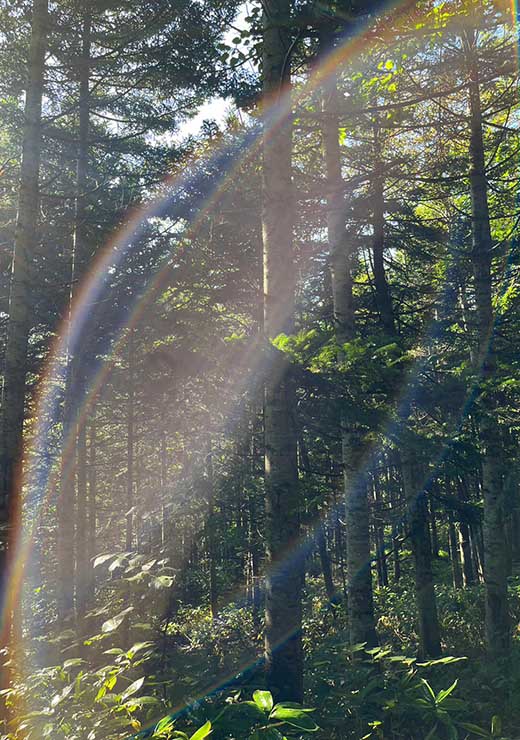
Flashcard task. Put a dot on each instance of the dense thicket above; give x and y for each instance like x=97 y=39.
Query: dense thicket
x=259 y=428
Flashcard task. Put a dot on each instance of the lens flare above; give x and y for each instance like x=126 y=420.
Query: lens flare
x=40 y=481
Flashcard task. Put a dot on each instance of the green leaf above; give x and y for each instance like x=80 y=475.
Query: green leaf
x=132 y=689
x=72 y=662
x=357 y=647
x=496 y=725
x=295 y=717
x=475 y=729
x=103 y=559
x=428 y=690
x=117 y=563
x=112 y=624
x=140 y=701
x=202 y=732
x=448 y=659
x=446 y=692
x=137 y=648
x=162 y=582
x=263 y=699
x=164 y=725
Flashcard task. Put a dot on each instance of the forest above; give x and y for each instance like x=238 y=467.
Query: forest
x=259 y=417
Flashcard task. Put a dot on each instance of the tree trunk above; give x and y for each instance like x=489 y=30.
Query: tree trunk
x=498 y=628
x=433 y=528
x=20 y=303
x=210 y=532
x=80 y=257
x=465 y=549
x=166 y=524
x=325 y=564
x=454 y=554
x=253 y=523
x=81 y=525
x=359 y=558
x=283 y=610
x=359 y=574
x=417 y=518
x=477 y=548
x=466 y=555
x=92 y=504
x=515 y=528
x=395 y=552
x=254 y=557
x=130 y=432
x=66 y=507
x=382 y=568
x=382 y=289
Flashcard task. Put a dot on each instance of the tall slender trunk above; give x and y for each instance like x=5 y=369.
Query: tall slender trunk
x=454 y=553
x=20 y=303
x=382 y=289
x=284 y=581
x=80 y=254
x=416 y=501
x=396 y=521
x=81 y=523
x=395 y=553
x=163 y=484
x=417 y=520
x=325 y=564
x=515 y=521
x=92 y=504
x=382 y=569
x=18 y=329
x=433 y=528
x=498 y=629
x=254 y=557
x=129 y=529
x=359 y=574
x=415 y=497
x=210 y=532
x=466 y=556
x=477 y=548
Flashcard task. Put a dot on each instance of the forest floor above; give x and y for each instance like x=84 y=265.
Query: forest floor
x=390 y=693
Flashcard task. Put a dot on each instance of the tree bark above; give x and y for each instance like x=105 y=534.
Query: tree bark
x=454 y=554
x=417 y=519
x=382 y=568
x=382 y=289
x=466 y=556
x=395 y=553
x=20 y=303
x=433 y=528
x=498 y=628
x=82 y=564
x=325 y=564
x=92 y=504
x=129 y=529
x=210 y=532
x=283 y=610
x=80 y=256
x=359 y=573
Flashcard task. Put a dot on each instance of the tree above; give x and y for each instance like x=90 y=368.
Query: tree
x=498 y=629
x=20 y=302
x=284 y=579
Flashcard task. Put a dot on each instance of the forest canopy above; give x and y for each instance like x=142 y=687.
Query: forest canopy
x=259 y=417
